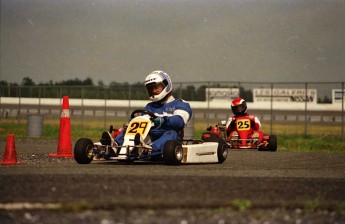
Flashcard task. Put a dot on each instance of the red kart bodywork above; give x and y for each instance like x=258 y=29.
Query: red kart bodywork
x=243 y=136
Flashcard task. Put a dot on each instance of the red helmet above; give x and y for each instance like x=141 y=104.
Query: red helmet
x=239 y=107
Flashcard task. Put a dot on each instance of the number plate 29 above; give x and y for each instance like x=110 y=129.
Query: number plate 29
x=140 y=126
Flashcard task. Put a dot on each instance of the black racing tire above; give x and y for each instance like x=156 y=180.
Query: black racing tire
x=173 y=153
x=272 y=143
x=222 y=151
x=223 y=147
x=83 y=151
x=262 y=149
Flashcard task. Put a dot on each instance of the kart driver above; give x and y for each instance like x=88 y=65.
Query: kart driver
x=172 y=114
x=239 y=109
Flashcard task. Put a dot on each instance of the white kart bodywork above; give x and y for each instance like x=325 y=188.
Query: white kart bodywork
x=200 y=153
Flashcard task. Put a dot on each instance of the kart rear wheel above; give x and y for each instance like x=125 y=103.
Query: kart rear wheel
x=173 y=153
x=83 y=151
x=222 y=150
x=272 y=143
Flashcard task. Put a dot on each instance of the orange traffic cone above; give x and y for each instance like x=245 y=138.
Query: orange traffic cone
x=65 y=142
x=10 y=155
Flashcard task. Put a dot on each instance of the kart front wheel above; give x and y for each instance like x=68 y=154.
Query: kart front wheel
x=173 y=153
x=83 y=151
x=272 y=143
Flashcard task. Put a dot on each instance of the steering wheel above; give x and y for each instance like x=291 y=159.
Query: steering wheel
x=143 y=111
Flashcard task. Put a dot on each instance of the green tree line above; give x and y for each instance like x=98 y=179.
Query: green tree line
x=77 y=88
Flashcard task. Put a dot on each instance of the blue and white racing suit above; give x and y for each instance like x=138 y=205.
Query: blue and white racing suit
x=175 y=112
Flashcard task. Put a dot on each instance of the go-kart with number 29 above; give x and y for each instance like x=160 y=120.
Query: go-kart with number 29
x=136 y=146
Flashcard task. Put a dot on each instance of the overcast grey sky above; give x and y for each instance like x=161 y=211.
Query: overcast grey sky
x=192 y=40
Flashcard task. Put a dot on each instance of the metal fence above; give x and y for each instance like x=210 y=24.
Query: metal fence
x=325 y=108
x=191 y=91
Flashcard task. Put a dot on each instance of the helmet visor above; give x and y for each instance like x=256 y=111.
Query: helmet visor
x=155 y=88
x=239 y=109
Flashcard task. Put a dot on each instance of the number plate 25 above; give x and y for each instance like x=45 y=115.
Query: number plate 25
x=243 y=125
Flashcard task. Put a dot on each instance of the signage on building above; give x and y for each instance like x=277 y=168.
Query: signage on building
x=285 y=95
x=338 y=96
x=222 y=93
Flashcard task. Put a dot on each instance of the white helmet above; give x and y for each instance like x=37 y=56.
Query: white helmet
x=158 y=78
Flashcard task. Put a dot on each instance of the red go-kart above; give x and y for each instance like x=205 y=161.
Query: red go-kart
x=243 y=137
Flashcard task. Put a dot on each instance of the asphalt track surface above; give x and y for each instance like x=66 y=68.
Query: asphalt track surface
x=249 y=187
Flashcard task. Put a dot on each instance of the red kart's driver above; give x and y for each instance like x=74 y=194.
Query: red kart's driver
x=239 y=109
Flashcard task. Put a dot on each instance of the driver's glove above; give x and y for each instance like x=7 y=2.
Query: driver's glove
x=158 y=121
